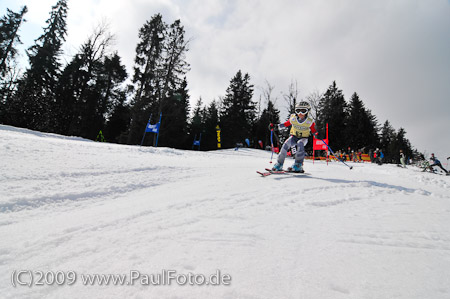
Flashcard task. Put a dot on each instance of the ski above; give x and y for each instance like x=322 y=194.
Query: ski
x=289 y=170
x=438 y=173
x=285 y=171
x=275 y=171
x=264 y=174
x=270 y=171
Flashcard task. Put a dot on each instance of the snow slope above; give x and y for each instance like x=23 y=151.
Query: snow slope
x=68 y=204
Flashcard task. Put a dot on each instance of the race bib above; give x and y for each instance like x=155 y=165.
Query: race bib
x=293 y=149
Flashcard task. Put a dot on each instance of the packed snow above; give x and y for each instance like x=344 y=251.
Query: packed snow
x=70 y=207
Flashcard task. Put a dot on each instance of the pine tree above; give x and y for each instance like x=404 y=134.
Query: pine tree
x=204 y=121
x=173 y=99
x=210 y=122
x=89 y=87
x=238 y=112
x=103 y=94
x=174 y=65
x=361 y=125
x=387 y=135
x=269 y=115
x=9 y=72
x=9 y=28
x=159 y=75
x=148 y=62
x=197 y=120
x=391 y=142
x=69 y=92
x=398 y=142
x=332 y=110
x=118 y=123
x=33 y=103
x=174 y=129
x=8 y=87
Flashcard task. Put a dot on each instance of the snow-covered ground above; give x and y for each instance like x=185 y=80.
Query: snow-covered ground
x=72 y=208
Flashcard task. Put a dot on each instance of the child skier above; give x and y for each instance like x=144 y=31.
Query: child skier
x=301 y=126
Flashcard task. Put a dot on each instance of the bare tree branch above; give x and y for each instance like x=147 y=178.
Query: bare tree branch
x=292 y=96
x=314 y=99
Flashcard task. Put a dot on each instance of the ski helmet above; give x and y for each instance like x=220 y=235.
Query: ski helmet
x=302 y=108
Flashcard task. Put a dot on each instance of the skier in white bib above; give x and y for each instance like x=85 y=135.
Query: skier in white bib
x=301 y=127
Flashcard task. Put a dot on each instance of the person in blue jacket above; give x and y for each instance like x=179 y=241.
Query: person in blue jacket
x=436 y=162
x=381 y=157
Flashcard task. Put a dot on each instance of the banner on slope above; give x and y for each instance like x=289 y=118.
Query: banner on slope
x=319 y=145
x=152 y=128
x=219 y=142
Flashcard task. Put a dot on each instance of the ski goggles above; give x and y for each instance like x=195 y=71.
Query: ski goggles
x=301 y=111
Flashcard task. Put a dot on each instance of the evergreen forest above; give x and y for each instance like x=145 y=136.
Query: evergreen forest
x=93 y=93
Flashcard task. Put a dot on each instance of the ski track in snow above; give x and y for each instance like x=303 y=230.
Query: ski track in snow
x=72 y=204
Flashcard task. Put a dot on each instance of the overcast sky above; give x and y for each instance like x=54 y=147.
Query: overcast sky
x=394 y=53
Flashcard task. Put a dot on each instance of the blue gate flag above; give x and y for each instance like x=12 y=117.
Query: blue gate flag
x=152 y=128
x=197 y=142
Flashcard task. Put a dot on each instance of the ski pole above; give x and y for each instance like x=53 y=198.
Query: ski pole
x=271 y=142
x=351 y=167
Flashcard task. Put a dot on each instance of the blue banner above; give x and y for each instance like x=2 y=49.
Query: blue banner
x=152 y=128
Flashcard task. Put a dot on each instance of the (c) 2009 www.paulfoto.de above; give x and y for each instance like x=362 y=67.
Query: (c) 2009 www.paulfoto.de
x=134 y=277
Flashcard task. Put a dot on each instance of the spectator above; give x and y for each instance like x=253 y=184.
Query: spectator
x=402 y=159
